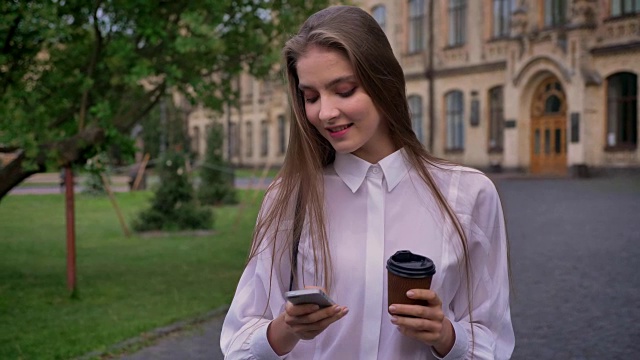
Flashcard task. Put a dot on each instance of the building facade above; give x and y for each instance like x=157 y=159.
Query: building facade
x=542 y=86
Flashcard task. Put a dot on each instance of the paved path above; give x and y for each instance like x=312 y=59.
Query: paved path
x=575 y=252
x=200 y=343
x=45 y=184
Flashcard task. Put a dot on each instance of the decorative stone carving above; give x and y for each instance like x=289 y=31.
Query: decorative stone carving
x=583 y=12
x=519 y=22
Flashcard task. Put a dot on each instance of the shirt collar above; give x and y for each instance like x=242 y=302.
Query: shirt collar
x=352 y=170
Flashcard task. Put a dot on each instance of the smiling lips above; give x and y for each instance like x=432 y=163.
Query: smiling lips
x=338 y=131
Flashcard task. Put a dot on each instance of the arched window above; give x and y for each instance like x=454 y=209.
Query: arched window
x=455 y=120
x=552 y=105
x=555 y=12
x=457 y=22
x=415 y=106
x=496 y=119
x=416 y=26
x=379 y=12
x=622 y=110
x=624 y=7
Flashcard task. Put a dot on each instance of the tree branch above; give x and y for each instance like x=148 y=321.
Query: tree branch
x=14 y=173
x=126 y=118
x=8 y=149
x=11 y=33
x=84 y=102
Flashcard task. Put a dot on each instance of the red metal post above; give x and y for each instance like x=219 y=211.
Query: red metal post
x=71 y=230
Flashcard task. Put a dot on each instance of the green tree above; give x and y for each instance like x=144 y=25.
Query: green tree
x=76 y=76
x=173 y=206
x=216 y=176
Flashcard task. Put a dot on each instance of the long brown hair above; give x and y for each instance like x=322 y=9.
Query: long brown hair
x=354 y=33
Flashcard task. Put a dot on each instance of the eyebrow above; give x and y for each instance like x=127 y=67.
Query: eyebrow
x=330 y=83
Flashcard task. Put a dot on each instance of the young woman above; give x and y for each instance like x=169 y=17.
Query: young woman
x=355 y=187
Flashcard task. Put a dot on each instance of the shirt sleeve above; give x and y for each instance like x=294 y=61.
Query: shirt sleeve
x=258 y=298
x=486 y=331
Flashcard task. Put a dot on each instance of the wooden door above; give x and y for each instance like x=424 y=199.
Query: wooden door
x=549 y=129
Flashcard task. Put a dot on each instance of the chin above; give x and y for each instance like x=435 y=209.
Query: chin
x=345 y=149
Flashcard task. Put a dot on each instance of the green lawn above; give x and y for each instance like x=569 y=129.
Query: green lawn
x=248 y=172
x=126 y=285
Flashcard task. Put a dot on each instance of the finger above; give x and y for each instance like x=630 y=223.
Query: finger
x=315 y=316
x=424 y=312
x=299 y=310
x=428 y=337
x=417 y=324
x=320 y=325
x=424 y=294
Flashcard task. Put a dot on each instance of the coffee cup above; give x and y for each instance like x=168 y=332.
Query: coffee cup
x=406 y=271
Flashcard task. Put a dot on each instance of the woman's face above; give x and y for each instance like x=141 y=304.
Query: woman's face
x=338 y=106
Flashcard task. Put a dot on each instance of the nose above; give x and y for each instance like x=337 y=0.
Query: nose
x=328 y=110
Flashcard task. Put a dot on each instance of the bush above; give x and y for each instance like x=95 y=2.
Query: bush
x=173 y=206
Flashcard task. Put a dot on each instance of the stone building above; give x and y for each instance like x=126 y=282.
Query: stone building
x=542 y=86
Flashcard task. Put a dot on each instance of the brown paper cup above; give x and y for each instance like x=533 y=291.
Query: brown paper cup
x=406 y=271
x=397 y=288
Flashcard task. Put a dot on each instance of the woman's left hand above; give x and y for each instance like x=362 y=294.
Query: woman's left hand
x=428 y=325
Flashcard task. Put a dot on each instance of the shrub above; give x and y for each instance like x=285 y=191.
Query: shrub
x=173 y=206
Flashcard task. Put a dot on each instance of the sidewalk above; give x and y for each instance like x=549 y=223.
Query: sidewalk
x=201 y=342
x=49 y=183
x=193 y=339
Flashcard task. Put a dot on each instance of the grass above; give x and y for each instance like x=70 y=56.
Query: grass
x=127 y=286
x=248 y=172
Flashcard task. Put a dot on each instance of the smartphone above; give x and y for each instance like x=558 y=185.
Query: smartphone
x=309 y=296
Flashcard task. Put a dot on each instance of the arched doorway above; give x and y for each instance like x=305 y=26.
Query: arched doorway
x=549 y=129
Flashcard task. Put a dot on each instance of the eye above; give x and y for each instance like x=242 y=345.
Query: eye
x=310 y=96
x=347 y=93
x=310 y=99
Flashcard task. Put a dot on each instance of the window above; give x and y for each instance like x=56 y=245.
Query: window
x=455 y=120
x=234 y=143
x=249 y=146
x=379 y=13
x=247 y=88
x=552 y=105
x=496 y=119
x=624 y=7
x=622 y=110
x=415 y=106
x=416 y=26
x=555 y=12
x=457 y=22
x=502 y=10
x=282 y=135
x=264 y=131
x=195 y=141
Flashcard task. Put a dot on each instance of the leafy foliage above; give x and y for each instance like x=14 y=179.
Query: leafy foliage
x=173 y=206
x=164 y=127
x=217 y=185
x=94 y=169
x=76 y=76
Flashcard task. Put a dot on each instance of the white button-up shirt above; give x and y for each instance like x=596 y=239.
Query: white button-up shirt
x=372 y=211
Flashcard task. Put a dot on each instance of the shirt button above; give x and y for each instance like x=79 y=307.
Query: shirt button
x=376 y=170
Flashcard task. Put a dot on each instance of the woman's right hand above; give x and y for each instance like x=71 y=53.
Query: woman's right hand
x=301 y=322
